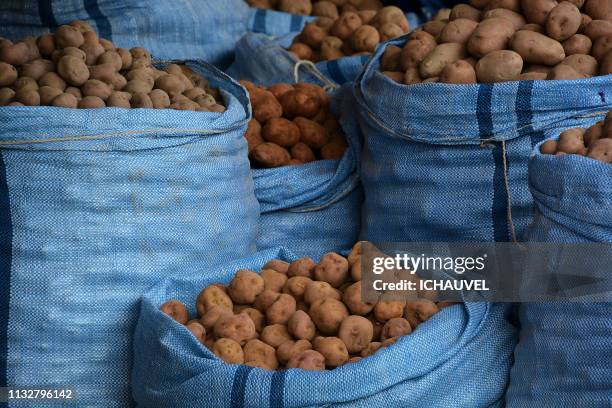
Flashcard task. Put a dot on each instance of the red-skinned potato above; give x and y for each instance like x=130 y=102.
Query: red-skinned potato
x=356 y=332
x=308 y=360
x=176 y=310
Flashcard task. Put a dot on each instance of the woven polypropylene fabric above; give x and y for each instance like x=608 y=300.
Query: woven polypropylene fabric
x=275 y=22
x=178 y=29
x=433 y=164
x=470 y=344
x=313 y=208
x=563 y=355
x=97 y=206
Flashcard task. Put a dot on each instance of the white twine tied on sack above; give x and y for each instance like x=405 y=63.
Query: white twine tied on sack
x=508 y=192
x=314 y=71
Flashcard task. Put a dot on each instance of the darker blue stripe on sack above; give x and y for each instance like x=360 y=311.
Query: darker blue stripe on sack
x=45 y=10
x=334 y=71
x=524 y=113
x=296 y=23
x=6 y=251
x=483 y=111
x=277 y=390
x=239 y=386
x=259 y=25
x=103 y=24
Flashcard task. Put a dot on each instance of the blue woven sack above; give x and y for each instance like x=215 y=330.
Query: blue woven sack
x=563 y=355
x=178 y=29
x=313 y=208
x=98 y=205
x=448 y=162
x=470 y=344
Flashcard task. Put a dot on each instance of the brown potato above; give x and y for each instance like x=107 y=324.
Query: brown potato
x=605 y=67
x=517 y=19
x=301 y=267
x=25 y=84
x=436 y=60
x=270 y=155
x=356 y=332
x=65 y=100
x=213 y=295
x=301 y=51
x=281 y=310
x=94 y=87
x=301 y=326
x=601 y=47
x=176 y=310
x=47 y=94
x=68 y=36
x=279 y=89
x=319 y=290
x=387 y=310
x=563 y=21
x=583 y=64
x=265 y=105
x=536 y=48
x=281 y=131
x=171 y=84
x=141 y=100
x=458 y=31
x=365 y=38
x=288 y=349
x=120 y=99
x=352 y=299
x=16 y=54
x=209 y=319
x=253 y=134
x=91 y=102
x=601 y=150
x=416 y=49
x=273 y=280
x=465 y=11
x=8 y=74
x=275 y=335
x=346 y=25
x=499 y=66
x=537 y=11
x=229 y=351
x=159 y=98
x=140 y=53
x=296 y=286
x=46 y=44
x=389 y=31
x=239 y=328
x=325 y=9
x=73 y=70
x=370 y=349
x=299 y=103
x=327 y=314
x=303 y=153
x=34 y=69
x=458 y=72
x=198 y=331
x=599 y=9
x=265 y=299
x=307 y=360
x=563 y=72
x=571 y=141
x=598 y=28
x=333 y=269
x=390 y=60
x=260 y=352
x=491 y=35
x=418 y=311
x=548 y=147
x=333 y=349
x=577 y=44
x=245 y=286
x=398 y=326
x=334 y=149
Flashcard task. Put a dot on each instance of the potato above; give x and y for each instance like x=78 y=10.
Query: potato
x=571 y=141
x=370 y=349
x=458 y=31
x=592 y=134
x=536 y=48
x=536 y=11
x=68 y=36
x=46 y=45
x=301 y=51
x=606 y=64
x=517 y=19
x=416 y=49
x=91 y=102
x=311 y=133
x=548 y=147
x=141 y=100
x=365 y=38
x=332 y=269
x=265 y=106
x=239 y=328
x=198 y=331
x=25 y=84
x=465 y=11
x=229 y=351
x=418 y=311
x=288 y=349
x=577 y=44
x=390 y=60
x=563 y=72
x=212 y=315
x=319 y=290
x=260 y=352
x=334 y=150
x=299 y=103
x=599 y=9
x=273 y=280
x=278 y=89
x=601 y=47
x=491 y=35
x=8 y=74
x=499 y=66
x=563 y=21
x=436 y=60
x=387 y=310
x=140 y=53
x=270 y=155
x=275 y=335
x=245 y=286
x=601 y=150
x=213 y=295
x=159 y=98
x=389 y=31
x=395 y=327
x=296 y=286
x=459 y=72
x=65 y=100
x=533 y=27
x=346 y=25
x=532 y=76
x=303 y=153
x=141 y=74
x=366 y=16
x=325 y=9
x=313 y=35
x=356 y=332
x=301 y=326
x=391 y=14
x=16 y=54
x=6 y=95
x=281 y=131
x=171 y=84
x=301 y=267
x=327 y=314
x=598 y=28
x=28 y=97
x=333 y=349
x=281 y=310
x=352 y=299
x=307 y=360
x=253 y=134
x=94 y=87
x=35 y=69
x=583 y=64
x=301 y=7
x=176 y=310
x=265 y=299
x=120 y=99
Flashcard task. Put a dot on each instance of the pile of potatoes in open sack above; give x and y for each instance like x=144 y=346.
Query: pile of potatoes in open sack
x=299 y=315
x=73 y=68
x=350 y=33
x=507 y=40
x=594 y=142
x=291 y=125
x=320 y=8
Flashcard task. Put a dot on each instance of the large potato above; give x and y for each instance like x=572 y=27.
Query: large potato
x=327 y=314
x=458 y=31
x=536 y=11
x=333 y=349
x=563 y=21
x=356 y=332
x=333 y=269
x=257 y=351
x=213 y=295
x=436 y=60
x=499 y=66
x=308 y=360
x=491 y=35
x=301 y=326
x=245 y=286
x=352 y=299
x=536 y=48
x=239 y=328
x=229 y=351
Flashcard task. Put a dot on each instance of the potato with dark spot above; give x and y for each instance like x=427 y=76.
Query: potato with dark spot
x=213 y=295
x=395 y=327
x=333 y=349
x=418 y=311
x=327 y=314
x=73 y=70
x=308 y=360
x=229 y=351
x=601 y=150
x=270 y=155
x=245 y=286
x=275 y=335
x=288 y=349
x=563 y=21
x=176 y=310
x=260 y=352
x=356 y=332
x=239 y=328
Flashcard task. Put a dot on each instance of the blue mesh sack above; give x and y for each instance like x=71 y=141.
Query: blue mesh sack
x=179 y=29
x=459 y=358
x=563 y=355
x=446 y=162
x=98 y=205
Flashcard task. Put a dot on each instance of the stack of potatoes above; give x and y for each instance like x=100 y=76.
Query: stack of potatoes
x=594 y=142
x=299 y=315
x=291 y=125
x=320 y=8
x=73 y=68
x=351 y=33
x=507 y=40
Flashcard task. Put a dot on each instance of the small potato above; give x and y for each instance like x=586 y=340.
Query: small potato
x=442 y=55
x=332 y=269
x=209 y=319
x=418 y=311
x=601 y=150
x=415 y=51
x=325 y=9
x=302 y=152
x=270 y=155
x=308 y=360
x=65 y=100
x=599 y=9
x=390 y=60
x=434 y=28
x=46 y=45
x=571 y=141
x=288 y=349
x=465 y=11
x=176 y=310
x=299 y=103
x=389 y=31
x=333 y=349
x=459 y=72
x=537 y=11
x=93 y=87
x=563 y=21
x=198 y=331
x=301 y=51
x=536 y=48
x=398 y=326
x=275 y=335
x=213 y=295
x=160 y=99
x=598 y=28
x=301 y=267
x=491 y=35
x=386 y=310
x=171 y=84
x=281 y=310
x=281 y=131
x=346 y=25
x=301 y=326
x=577 y=44
x=319 y=290
x=73 y=70
x=310 y=132
x=499 y=66
x=563 y=73
x=301 y=7
x=48 y=94
x=296 y=286
x=260 y=352
x=16 y=54
x=253 y=134
x=239 y=328
x=245 y=286
x=334 y=150
x=583 y=64
x=8 y=74
x=356 y=332
x=91 y=102
x=265 y=299
x=111 y=57
x=28 y=97
x=365 y=38
x=352 y=299
x=35 y=69
x=265 y=105
x=370 y=349
x=327 y=314
x=517 y=19
x=548 y=147
x=458 y=31
x=141 y=100
x=68 y=36
x=391 y=14
x=273 y=280
x=229 y=351
x=601 y=47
